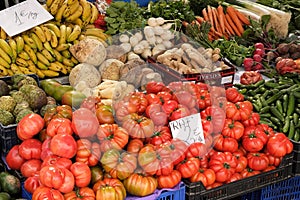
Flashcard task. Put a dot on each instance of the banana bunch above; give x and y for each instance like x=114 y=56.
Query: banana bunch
x=80 y=12
x=44 y=49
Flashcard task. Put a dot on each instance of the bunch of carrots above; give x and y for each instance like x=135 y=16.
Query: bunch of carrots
x=225 y=22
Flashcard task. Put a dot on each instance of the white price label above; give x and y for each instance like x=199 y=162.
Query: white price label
x=188 y=129
x=23 y=16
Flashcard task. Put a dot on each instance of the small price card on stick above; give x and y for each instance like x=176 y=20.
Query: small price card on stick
x=188 y=129
x=23 y=16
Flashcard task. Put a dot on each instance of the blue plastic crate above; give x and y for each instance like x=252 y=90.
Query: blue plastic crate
x=288 y=189
x=255 y=195
x=176 y=193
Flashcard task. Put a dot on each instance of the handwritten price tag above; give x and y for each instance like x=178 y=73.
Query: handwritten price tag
x=188 y=129
x=23 y=16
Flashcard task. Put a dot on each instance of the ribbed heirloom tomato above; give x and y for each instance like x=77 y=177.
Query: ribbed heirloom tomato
x=160 y=135
x=234 y=129
x=140 y=185
x=226 y=144
x=108 y=188
x=81 y=173
x=206 y=176
x=63 y=145
x=84 y=193
x=49 y=193
x=88 y=152
x=254 y=139
x=170 y=180
x=279 y=145
x=13 y=158
x=257 y=161
x=29 y=126
x=188 y=167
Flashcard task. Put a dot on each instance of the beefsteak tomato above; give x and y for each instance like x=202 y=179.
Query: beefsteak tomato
x=279 y=145
x=140 y=185
x=108 y=188
x=88 y=152
x=29 y=126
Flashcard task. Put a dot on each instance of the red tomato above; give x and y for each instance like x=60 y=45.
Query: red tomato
x=153 y=99
x=252 y=120
x=180 y=112
x=247 y=172
x=112 y=136
x=13 y=158
x=239 y=111
x=110 y=187
x=216 y=116
x=30 y=167
x=279 y=145
x=46 y=151
x=164 y=96
x=138 y=126
x=161 y=135
x=84 y=193
x=154 y=87
x=104 y=114
x=233 y=95
x=57 y=161
x=29 y=126
x=30 y=149
x=156 y=114
x=188 y=167
x=175 y=86
x=84 y=123
x=257 y=161
x=59 y=126
x=57 y=178
x=273 y=161
x=206 y=176
x=242 y=162
x=169 y=181
x=139 y=100
x=235 y=177
x=254 y=139
x=88 y=152
x=169 y=106
x=32 y=183
x=119 y=165
x=233 y=129
x=48 y=193
x=91 y=103
x=134 y=146
x=63 y=145
x=224 y=164
x=174 y=149
x=226 y=144
x=185 y=98
x=267 y=129
x=204 y=99
x=81 y=173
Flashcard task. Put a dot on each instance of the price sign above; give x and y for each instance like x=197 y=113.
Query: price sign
x=188 y=129
x=23 y=16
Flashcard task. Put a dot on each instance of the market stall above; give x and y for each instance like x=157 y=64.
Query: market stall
x=149 y=100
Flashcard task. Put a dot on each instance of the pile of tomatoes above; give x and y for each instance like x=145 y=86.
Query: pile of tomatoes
x=100 y=151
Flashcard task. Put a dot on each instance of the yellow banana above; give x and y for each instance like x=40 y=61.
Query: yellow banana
x=70 y=2
x=90 y=26
x=71 y=9
x=42 y=59
x=74 y=34
x=13 y=45
x=41 y=65
x=48 y=46
x=49 y=3
x=75 y=42
x=32 y=68
x=4 y=63
x=37 y=40
x=96 y=32
x=20 y=43
x=63 y=34
x=15 y=68
x=25 y=70
x=55 y=67
x=48 y=55
x=3 y=34
x=68 y=62
x=50 y=73
x=95 y=13
x=10 y=72
x=54 y=28
x=61 y=10
x=54 y=39
x=63 y=69
x=78 y=22
x=24 y=55
x=58 y=55
x=5 y=56
x=55 y=6
x=66 y=53
x=87 y=21
x=31 y=53
x=46 y=32
x=74 y=60
x=6 y=47
x=40 y=33
x=40 y=73
x=3 y=70
x=69 y=30
x=87 y=10
x=62 y=47
x=29 y=41
x=21 y=62
x=75 y=15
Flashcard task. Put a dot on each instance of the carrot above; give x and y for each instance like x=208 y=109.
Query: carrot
x=221 y=18
x=230 y=11
x=232 y=25
x=242 y=17
x=204 y=13
x=199 y=19
x=228 y=28
x=216 y=22
x=210 y=16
